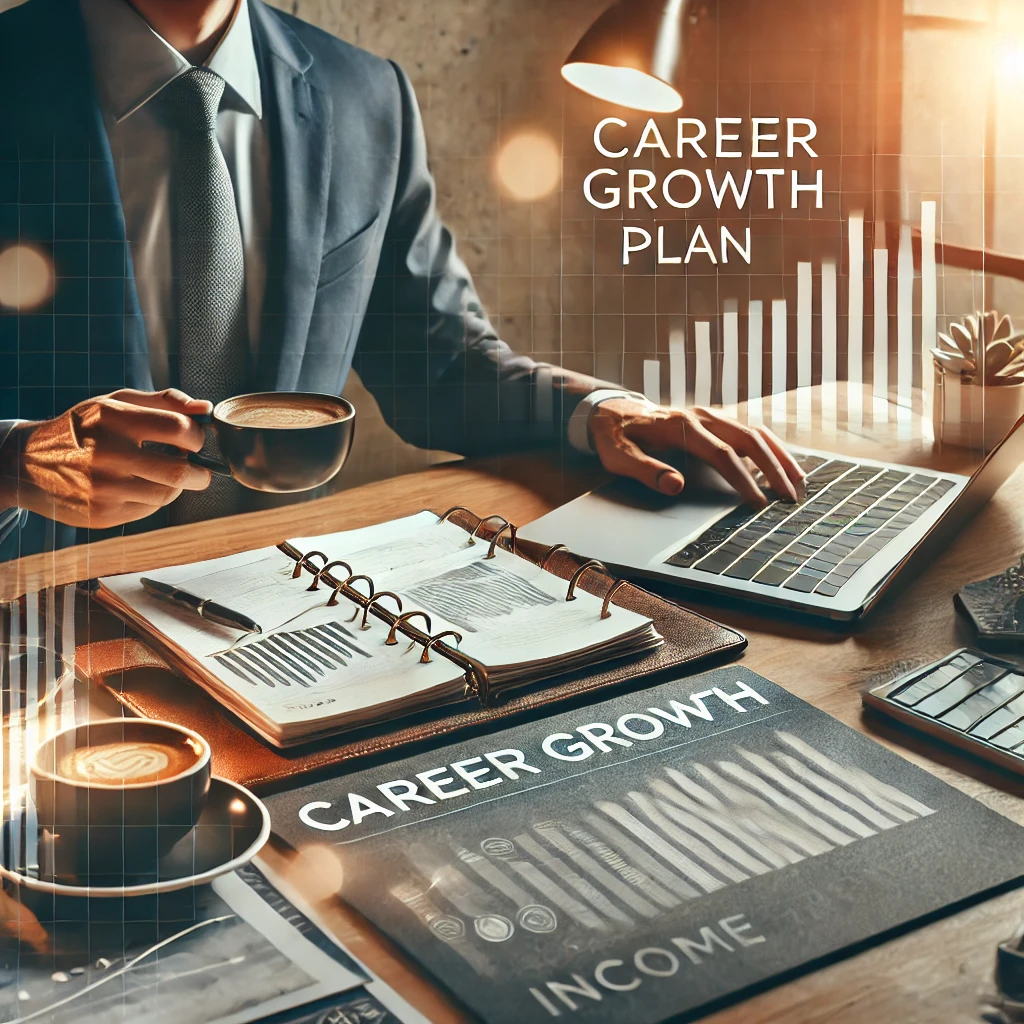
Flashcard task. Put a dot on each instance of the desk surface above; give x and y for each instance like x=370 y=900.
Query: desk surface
x=939 y=973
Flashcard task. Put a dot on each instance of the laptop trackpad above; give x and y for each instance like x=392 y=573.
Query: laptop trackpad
x=641 y=525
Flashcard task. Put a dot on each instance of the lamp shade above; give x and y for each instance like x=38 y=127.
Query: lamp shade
x=632 y=55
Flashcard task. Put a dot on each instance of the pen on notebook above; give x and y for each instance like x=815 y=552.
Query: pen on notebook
x=203 y=607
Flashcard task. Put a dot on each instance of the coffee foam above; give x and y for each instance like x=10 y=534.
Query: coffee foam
x=126 y=761
x=280 y=414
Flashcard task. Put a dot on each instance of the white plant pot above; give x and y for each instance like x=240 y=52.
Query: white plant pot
x=972 y=415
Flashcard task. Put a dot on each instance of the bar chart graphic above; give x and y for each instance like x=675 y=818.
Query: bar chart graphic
x=672 y=834
x=768 y=349
x=302 y=657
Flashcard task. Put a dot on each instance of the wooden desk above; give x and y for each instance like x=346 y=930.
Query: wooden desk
x=939 y=973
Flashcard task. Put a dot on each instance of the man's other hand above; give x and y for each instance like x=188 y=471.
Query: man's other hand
x=88 y=466
x=624 y=432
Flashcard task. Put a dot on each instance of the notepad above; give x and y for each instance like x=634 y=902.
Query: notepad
x=367 y=625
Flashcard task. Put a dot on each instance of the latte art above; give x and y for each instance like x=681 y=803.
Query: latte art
x=278 y=415
x=126 y=761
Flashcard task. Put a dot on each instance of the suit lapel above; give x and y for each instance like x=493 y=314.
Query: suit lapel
x=65 y=121
x=300 y=132
x=111 y=236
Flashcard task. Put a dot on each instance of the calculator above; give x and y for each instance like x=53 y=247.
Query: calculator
x=968 y=698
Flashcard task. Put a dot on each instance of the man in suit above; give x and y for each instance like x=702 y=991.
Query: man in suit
x=233 y=200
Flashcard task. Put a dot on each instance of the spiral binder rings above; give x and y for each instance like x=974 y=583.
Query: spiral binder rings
x=478 y=680
x=358 y=606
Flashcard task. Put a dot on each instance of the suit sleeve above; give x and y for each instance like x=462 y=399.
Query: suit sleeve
x=11 y=519
x=427 y=351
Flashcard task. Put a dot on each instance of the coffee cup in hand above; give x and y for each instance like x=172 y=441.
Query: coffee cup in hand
x=117 y=794
x=280 y=441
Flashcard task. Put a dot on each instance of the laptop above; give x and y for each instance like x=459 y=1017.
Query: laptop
x=834 y=554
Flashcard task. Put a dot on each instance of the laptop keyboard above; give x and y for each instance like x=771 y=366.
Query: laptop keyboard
x=850 y=512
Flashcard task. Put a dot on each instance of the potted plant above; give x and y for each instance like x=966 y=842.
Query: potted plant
x=979 y=381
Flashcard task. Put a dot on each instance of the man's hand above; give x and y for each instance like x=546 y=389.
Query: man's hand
x=88 y=468
x=623 y=432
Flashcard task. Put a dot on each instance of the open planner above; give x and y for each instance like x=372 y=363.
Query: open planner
x=367 y=625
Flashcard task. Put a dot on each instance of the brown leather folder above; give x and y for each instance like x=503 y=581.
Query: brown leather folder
x=142 y=681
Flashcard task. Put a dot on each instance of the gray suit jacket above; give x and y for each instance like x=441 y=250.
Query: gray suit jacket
x=361 y=271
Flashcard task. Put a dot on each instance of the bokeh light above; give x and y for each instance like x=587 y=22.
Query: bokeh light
x=1009 y=60
x=26 y=277
x=529 y=166
x=316 y=870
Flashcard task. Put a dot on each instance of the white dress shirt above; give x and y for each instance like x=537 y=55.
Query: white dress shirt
x=132 y=63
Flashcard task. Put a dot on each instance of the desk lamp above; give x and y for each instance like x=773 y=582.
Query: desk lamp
x=633 y=55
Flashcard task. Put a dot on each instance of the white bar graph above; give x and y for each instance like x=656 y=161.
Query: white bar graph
x=804 y=306
x=545 y=394
x=780 y=359
x=755 y=344
x=33 y=640
x=714 y=371
x=929 y=303
x=66 y=697
x=677 y=367
x=652 y=380
x=905 y=318
x=702 y=374
x=828 y=322
x=730 y=353
x=855 y=335
x=779 y=354
x=881 y=310
x=16 y=739
x=829 y=417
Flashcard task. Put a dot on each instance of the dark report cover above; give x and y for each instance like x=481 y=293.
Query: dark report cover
x=641 y=858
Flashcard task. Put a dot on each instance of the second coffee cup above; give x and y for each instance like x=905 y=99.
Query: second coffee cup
x=280 y=441
x=118 y=793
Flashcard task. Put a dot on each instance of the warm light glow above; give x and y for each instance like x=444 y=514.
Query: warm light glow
x=26 y=277
x=625 y=86
x=237 y=806
x=1009 y=56
x=529 y=166
x=316 y=872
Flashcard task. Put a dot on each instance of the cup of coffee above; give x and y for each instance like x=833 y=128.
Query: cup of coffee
x=280 y=441
x=117 y=794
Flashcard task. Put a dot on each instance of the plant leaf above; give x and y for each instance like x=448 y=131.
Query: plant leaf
x=963 y=338
x=1004 y=329
x=997 y=355
x=951 y=361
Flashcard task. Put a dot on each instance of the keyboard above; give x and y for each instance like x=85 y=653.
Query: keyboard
x=849 y=513
x=968 y=698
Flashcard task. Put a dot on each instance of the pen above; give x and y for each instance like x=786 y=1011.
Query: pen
x=203 y=607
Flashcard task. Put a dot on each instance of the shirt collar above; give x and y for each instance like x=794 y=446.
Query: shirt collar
x=132 y=62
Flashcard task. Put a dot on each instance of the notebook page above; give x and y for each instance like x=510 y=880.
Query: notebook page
x=508 y=610
x=310 y=662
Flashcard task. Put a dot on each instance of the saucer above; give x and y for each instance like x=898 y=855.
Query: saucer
x=232 y=829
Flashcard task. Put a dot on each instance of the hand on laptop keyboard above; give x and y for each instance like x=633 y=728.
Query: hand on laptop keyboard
x=624 y=431
x=849 y=513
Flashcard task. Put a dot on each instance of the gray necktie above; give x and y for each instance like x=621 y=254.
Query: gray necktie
x=209 y=269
